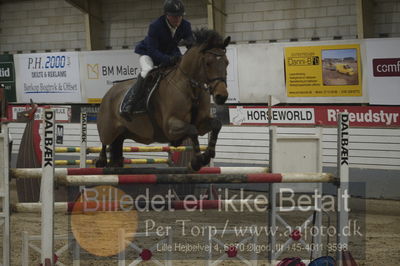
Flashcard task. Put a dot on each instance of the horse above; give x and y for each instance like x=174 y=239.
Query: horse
x=178 y=108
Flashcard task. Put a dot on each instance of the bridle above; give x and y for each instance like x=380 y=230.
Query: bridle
x=206 y=85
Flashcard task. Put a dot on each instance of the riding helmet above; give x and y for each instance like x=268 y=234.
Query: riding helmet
x=174 y=8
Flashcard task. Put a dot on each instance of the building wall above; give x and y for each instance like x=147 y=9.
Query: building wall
x=127 y=21
x=285 y=20
x=40 y=25
x=53 y=25
x=386 y=18
x=265 y=20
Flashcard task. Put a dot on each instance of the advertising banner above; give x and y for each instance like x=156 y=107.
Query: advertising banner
x=63 y=113
x=48 y=77
x=383 y=71
x=100 y=69
x=359 y=116
x=7 y=77
x=323 y=71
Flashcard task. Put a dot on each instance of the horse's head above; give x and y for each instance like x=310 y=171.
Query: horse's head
x=212 y=63
x=216 y=64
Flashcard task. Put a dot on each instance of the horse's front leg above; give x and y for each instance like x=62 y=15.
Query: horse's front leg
x=207 y=125
x=102 y=161
x=116 y=153
x=179 y=129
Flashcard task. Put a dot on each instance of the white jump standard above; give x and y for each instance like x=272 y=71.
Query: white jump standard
x=85 y=176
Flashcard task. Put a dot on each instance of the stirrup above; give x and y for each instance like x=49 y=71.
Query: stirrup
x=126 y=115
x=141 y=111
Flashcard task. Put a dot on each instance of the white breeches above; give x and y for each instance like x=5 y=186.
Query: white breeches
x=146 y=64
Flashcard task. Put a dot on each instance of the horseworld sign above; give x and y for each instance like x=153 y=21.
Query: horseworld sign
x=259 y=115
x=359 y=116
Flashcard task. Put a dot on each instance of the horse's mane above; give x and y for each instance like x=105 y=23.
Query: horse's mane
x=209 y=38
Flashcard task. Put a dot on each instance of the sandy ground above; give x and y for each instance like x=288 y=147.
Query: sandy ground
x=377 y=244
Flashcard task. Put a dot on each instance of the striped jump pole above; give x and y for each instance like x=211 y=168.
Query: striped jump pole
x=131 y=149
x=63 y=172
x=92 y=180
x=126 y=161
x=96 y=206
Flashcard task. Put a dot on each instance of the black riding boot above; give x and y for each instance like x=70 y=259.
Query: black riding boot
x=133 y=102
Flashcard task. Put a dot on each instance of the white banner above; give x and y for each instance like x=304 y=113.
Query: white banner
x=231 y=79
x=383 y=70
x=99 y=69
x=48 y=77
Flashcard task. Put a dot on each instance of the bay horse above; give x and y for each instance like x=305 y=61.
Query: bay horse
x=178 y=109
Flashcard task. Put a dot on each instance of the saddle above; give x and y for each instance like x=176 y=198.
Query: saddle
x=150 y=84
x=153 y=79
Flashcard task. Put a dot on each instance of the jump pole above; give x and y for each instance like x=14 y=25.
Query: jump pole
x=47 y=188
x=63 y=172
x=5 y=194
x=95 y=206
x=93 y=180
x=126 y=161
x=194 y=178
x=82 y=164
x=131 y=149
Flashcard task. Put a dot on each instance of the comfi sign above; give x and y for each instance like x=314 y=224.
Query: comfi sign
x=386 y=67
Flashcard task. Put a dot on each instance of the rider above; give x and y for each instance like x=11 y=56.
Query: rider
x=160 y=47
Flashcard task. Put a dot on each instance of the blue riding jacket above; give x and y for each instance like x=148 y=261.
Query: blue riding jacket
x=159 y=43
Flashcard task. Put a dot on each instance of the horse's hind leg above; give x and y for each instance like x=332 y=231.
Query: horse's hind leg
x=102 y=161
x=197 y=161
x=116 y=158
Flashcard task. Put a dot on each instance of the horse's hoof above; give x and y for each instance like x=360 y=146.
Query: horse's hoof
x=210 y=153
x=206 y=158
x=195 y=164
x=116 y=163
x=100 y=164
x=176 y=143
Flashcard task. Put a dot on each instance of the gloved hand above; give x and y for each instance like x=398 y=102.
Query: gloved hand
x=173 y=60
x=188 y=42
